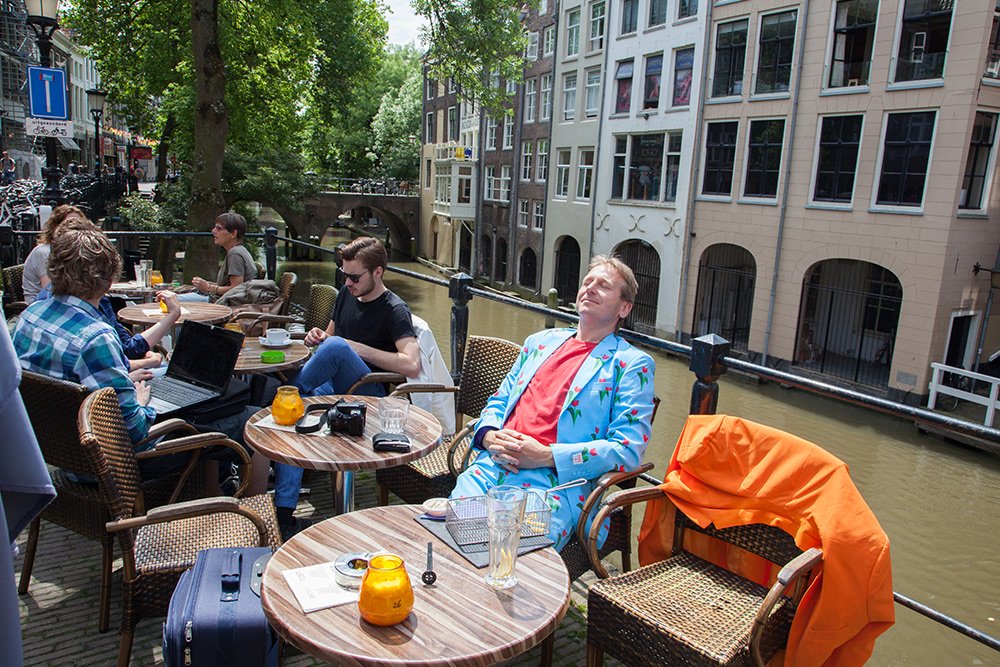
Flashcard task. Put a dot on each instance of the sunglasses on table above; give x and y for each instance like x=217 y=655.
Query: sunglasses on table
x=353 y=277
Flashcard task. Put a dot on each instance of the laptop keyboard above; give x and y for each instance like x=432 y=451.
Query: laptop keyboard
x=165 y=389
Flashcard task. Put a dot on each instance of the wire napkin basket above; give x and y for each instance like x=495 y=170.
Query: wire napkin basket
x=465 y=518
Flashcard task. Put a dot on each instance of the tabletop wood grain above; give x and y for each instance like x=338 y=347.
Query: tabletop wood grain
x=339 y=451
x=209 y=313
x=459 y=621
x=249 y=361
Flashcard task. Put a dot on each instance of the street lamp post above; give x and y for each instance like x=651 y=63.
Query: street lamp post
x=95 y=100
x=43 y=22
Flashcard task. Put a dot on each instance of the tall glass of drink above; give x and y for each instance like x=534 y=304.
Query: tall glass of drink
x=504 y=514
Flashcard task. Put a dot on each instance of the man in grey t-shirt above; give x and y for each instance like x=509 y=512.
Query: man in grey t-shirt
x=239 y=266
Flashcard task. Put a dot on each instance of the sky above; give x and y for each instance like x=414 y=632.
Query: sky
x=403 y=23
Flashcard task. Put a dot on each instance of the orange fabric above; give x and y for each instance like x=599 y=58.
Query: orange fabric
x=730 y=471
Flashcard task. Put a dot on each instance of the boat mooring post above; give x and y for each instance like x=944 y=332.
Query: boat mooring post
x=707 y=353
x=271 y=252
x=459 y=291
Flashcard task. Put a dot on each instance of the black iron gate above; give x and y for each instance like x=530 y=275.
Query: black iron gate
x=726 y=278
x=568 y=269
x=645 y=264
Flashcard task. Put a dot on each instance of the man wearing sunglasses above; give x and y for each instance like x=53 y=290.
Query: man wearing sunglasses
x=370 y=329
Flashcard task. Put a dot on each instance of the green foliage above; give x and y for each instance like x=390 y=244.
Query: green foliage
x=274 y=177
x=396 y=130
x=472 y=39
x=140 y=214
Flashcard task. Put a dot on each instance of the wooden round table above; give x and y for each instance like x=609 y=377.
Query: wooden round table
x=296 y=354
x=144 y=315
x=340 y=453
x=457 y=621
x=132 y=290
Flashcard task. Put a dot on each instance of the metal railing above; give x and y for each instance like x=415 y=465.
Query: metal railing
x=961 y=384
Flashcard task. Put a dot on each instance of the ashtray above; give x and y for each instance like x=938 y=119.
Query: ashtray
x=350 y=568
x=272 y=356
x=436 y=507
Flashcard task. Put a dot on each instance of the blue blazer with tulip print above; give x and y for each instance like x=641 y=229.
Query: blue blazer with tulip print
x=604 y=425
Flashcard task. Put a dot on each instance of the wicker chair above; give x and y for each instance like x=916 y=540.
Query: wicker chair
x=686 y=610
x=13 y=292
x=318 y=310
x=158 y=545
x=487 y=362
x=52 y=406
x=253 y=321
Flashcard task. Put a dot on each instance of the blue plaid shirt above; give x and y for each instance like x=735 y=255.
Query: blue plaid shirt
x=65 y=337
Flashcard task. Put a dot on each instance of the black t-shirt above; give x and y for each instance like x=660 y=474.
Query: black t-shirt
x=379 y=323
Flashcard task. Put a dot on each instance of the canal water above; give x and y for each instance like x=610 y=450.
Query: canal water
x=938 y=501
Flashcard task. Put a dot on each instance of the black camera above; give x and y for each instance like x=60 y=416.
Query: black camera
x=347 y=417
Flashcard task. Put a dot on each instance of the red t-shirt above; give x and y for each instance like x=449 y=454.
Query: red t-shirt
x=537 y=411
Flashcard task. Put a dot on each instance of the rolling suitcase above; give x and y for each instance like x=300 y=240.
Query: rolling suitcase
x=215 y=615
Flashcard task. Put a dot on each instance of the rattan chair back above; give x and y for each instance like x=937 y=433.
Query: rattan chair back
x=768 y=542
x=52 y=407
x=285 y=288
x=105 y=440
x=487 y=362
x=320 y=306
x=12 y=287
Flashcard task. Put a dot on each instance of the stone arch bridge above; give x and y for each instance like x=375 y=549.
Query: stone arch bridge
x=400 y=213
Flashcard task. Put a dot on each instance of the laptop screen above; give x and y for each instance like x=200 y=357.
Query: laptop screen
x=205 y=355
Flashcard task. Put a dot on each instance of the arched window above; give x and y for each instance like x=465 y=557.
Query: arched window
x=527 y=268
x=567 y=268
x=724 y=305
x=644 y=261
x=848 y=319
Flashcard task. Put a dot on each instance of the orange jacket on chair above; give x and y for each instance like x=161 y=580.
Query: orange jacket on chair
x=730 y=471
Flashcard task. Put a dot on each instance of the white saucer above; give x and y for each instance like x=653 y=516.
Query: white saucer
x=263 y=341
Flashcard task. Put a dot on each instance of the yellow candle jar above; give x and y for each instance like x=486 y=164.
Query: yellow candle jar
x=287 y=407
x=386 y=594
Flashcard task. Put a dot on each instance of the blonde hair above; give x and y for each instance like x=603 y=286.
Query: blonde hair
x=630 y=287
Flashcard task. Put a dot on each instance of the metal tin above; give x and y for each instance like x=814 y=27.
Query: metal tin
x=350 y=568
x=272 y=356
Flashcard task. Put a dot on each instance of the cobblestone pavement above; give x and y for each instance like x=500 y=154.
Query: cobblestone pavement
x=59 y=613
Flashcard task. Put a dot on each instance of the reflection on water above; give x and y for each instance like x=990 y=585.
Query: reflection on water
x=937 y=501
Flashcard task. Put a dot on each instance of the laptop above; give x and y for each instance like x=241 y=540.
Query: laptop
x=200 y=368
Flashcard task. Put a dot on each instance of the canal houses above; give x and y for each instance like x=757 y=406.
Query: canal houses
x=645 y=150
x=812 y=180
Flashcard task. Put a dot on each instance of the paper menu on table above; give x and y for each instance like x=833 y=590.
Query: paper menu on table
x=315 y=587
x=156 y=312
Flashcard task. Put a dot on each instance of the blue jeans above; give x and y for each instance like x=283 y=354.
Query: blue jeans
x=332 y=369
x=194 y=297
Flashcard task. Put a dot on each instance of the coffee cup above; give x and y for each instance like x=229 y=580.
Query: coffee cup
x=277 y=336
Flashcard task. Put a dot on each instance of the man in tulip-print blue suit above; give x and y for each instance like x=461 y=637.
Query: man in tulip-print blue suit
x=586 y=396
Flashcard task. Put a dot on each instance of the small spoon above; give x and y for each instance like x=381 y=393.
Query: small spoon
x=429 y=577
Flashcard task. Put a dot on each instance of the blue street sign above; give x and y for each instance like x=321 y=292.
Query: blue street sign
x=47 y=93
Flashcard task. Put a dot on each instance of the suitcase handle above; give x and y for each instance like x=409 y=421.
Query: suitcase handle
x=231 y=577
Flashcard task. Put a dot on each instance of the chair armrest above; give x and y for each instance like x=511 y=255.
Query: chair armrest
x=613 y=503
x=794 y=569
x=456 y=468
x=15 y=307
x=606 y=481
x=422 y=388
x=266 y=317
x=190 y=509
x=378 y=378
x=195 y=443
x=160 y=429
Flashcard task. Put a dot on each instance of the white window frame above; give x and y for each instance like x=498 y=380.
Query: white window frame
x=673 y=77
x=585 y=174
x=530 y=100
x=573 y=32
x=548 y=41
x=491 y=133
x=569 y=96
x=429 y=129
x=649 y=14
x=527 y=160
x=894 y=56
x=452 y=110
x=736 y=181
x=563 y=172
x=890 y=208
x=431 y=89
x=849 y=205
x=532 y=52
x=542 y=163
x=451 y=85
x=756 y=56
x=746 y=158
x=595 y=40
x=592 y=89
x=545 y=97
x=990 y=165
x=523 y=212
x=831 y=42
x=711 y=71
x=489 y=182
x=505 y=183
x=508 y=132
x=538 y=218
